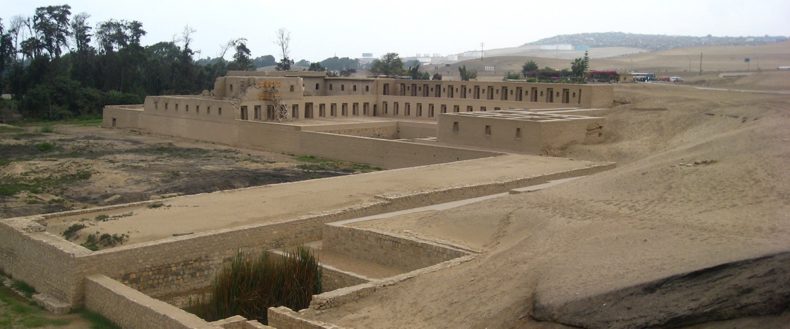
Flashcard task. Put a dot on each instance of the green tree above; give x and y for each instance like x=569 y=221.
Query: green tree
x=436 y=76
x=466 y=74
x=6 y=53
x=262 y=61
x=512 y=76
x=316 y=67
x=414 y=72
x=51 y=24
x=529 y=68
x=390 y=65
x=241 y=58
x=83 y=56
x=579 y=67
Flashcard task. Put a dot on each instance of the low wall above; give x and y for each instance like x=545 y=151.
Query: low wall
x=285 y=318
x=409 y=129
x=268 y=136
x=173 y=265
x=386 y=249
x=133 y=309
x=388 y=154
x=123 y=116
x=42 y=260
x=383 y=129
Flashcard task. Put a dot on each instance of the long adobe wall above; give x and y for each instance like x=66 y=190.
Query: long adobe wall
x=384 y=153
x=201 y=120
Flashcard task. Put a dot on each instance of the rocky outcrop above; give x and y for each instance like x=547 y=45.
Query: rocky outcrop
x=751 y=287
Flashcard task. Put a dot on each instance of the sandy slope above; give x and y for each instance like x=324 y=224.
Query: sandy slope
x=658 y=213
x=684 y=61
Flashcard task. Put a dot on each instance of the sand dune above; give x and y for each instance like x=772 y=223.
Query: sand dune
x=701 y=180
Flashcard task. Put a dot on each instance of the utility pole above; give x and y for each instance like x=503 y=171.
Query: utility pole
x=481 y=51
x=700 y=63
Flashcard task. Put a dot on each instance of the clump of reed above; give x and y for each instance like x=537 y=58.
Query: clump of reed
x=249 y=285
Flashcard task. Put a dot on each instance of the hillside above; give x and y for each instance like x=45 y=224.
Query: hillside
x=681 y=61
x=653 y=41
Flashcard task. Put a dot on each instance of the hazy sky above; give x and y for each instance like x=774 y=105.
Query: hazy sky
x=321 y=29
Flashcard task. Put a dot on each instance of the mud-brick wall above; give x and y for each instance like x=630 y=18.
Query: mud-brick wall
x=44 y=261
x=180 y=264
x=394 y=251
x=124 y=305
x=388 y=154
x=127 y=117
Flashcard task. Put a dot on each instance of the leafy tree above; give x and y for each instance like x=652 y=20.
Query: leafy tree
x=83 y=55
x=6 y=53
x=414 y=72
x=241 y=59
x=579 y=67
x=340 y=63
x=436 y=76
x=51 y=24
x=529 y=68
x=390 y=65
x=316 y=67
x=262 y=61
x=512 y=76
x=284 y=64
x=466 y=74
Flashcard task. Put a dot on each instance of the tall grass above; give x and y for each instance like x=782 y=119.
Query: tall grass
x=249 y=285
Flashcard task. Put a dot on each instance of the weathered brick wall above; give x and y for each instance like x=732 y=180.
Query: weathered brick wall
x=133 y=309
x=389 y=250
x=179 y=264
x=44 y=261
x=284 y=318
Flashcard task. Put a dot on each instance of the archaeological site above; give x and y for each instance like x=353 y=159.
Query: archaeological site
x=497 y=207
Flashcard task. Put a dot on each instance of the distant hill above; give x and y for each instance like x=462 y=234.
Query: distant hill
x=652 y=41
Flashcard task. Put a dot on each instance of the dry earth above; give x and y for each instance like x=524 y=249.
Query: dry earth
x=76 y=166
x=701 y=180
x=681 y=61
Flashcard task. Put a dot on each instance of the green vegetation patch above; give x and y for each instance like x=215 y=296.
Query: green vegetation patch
x=25 y=288
x=12 y=185
x=97 y=241
x=17 y=313
x=71 y=232
x=313 y=163
x=249 y=285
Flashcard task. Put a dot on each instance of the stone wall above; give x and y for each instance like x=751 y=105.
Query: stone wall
x=41 y=259
x=386 y=249
x=285 y=318
x=534 y=136
x=388 y=154
x=185 y=263
x=133 y=309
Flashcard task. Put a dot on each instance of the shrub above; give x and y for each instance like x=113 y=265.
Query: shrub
x=248 y=286
x=71 y=232
x=47 y=128
x=45 y=146
x=96 y=241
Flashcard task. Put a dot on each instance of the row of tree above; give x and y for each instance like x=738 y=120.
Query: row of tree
x=57 y=65
x=531 y=72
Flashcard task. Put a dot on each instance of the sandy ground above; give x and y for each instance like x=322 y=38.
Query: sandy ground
x=682 y=61
x=75 y=167
x=701 y=179
x=197 y=213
